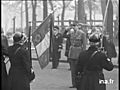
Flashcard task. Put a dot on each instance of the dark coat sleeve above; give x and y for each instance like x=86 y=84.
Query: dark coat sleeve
x=80 y=63
x=5 y=45
x=4 y=51
x=78 y=67
x=26 y=59
x=106 y=63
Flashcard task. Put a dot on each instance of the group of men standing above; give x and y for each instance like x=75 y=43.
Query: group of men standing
x=76 y=38
x=76 y=44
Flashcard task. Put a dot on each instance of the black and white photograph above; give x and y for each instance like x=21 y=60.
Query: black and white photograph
x=59 y=44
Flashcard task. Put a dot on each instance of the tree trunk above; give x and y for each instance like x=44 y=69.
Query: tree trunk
x=103 y=7
x=34 y=4
x=90 y=11
x=14 y=24
x=75 y=17
x=22 y=16
x=51 y=4
x=45 y=9
x=27 y=19
x=81 y=11
x=62 y=16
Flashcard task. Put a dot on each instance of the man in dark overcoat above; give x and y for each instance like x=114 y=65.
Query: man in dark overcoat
x=57 y=46
x=18 y=78
x=93 y=73
x=4 y=43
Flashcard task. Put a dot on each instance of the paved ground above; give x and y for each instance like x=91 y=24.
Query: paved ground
x=60 y=79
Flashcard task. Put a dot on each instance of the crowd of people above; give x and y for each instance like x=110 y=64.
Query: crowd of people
x=78 y=56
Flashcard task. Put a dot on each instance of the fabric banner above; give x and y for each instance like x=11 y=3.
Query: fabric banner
x=108 y=19
x=41 y=41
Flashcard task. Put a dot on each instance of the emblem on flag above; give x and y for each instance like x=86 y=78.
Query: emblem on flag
x=37 y=38
x=41 y=41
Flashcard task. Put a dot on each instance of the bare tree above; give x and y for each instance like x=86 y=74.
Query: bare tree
x=34 y=5
x=81 y=11
x=76 y=10
x=22 y=15
x=63 y=13
x=103 y=7
x=45 y=9
x=52 y=7
x=27 y=19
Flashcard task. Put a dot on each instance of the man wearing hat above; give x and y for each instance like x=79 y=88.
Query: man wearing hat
x=18 y=78
x=90 y=65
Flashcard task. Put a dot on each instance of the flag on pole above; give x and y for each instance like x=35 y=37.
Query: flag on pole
x=108 y=29
x=41 y=41
x=108 y=19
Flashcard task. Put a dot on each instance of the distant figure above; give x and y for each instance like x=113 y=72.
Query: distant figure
x=90 y=66
x=4 y=47
x=18 y=78
x=57 y=46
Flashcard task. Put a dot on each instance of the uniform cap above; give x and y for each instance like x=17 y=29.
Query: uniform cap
x=17 y=37
x=94 y=37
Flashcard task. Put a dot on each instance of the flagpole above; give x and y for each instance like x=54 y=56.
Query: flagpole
x=51 y=36
x=29 y=44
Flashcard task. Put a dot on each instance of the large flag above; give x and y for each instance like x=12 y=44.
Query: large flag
x=41 y=41
x=108 y=19
x=108 y=29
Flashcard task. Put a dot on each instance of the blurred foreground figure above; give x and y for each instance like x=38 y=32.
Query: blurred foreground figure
x=4 y=54
x=90 y=65
x=18 y=78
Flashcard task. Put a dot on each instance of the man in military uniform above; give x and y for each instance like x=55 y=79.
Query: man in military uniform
x=78 y=44
x=57 y=46
x=66 y=35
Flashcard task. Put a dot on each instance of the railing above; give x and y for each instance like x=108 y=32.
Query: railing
x=66 y=22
